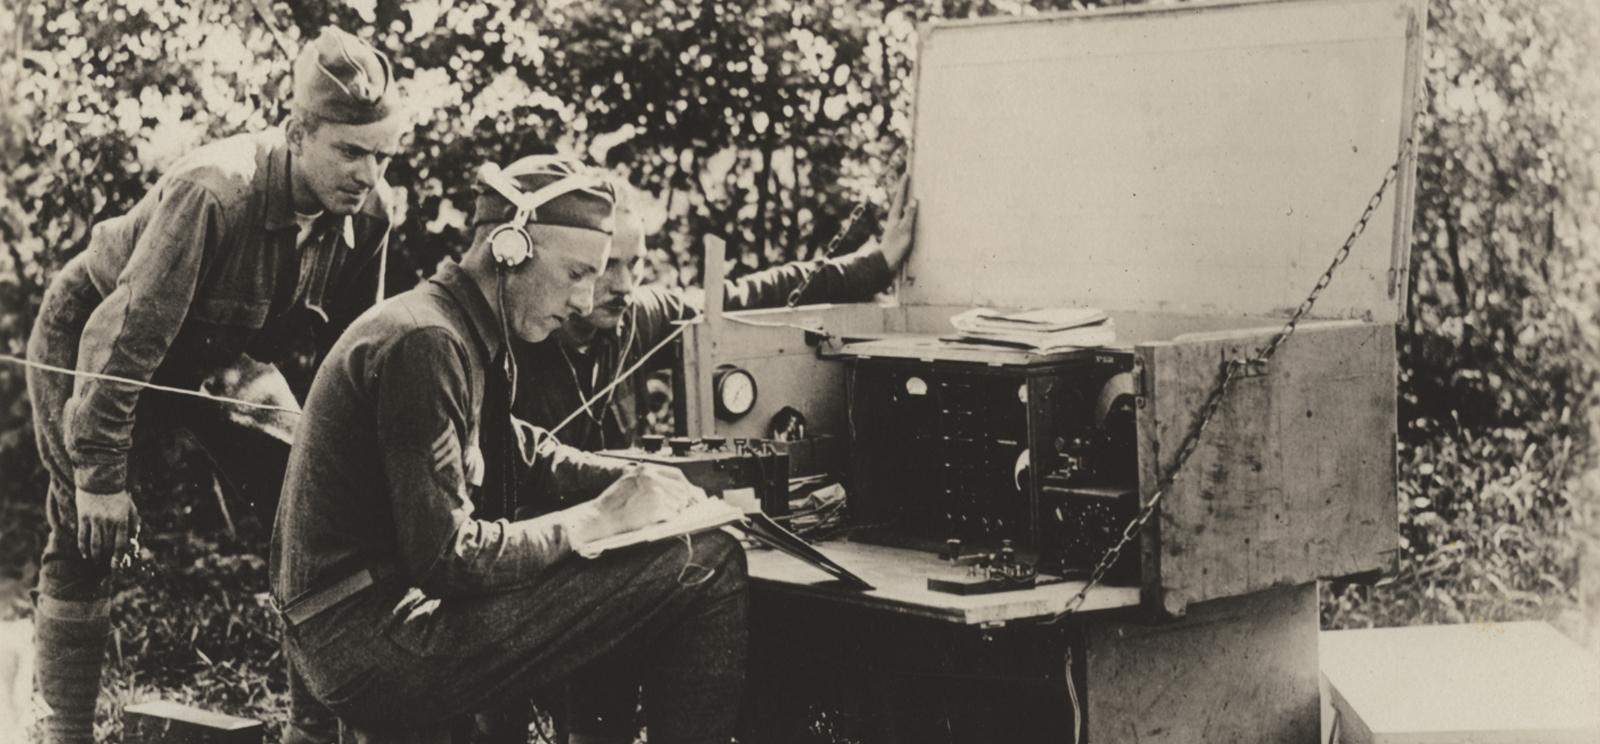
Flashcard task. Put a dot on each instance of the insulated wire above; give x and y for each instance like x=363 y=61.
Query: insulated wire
x=598 y=395
x=147 y=385
x=590 y=401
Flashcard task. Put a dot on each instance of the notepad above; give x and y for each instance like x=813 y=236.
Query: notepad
x=702 y=516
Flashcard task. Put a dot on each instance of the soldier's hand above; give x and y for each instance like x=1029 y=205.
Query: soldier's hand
x=645 y=496
x=106 y=523
x=899 y=227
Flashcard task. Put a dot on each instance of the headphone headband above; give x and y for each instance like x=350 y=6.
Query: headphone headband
x=527 y=204
x=510 y=242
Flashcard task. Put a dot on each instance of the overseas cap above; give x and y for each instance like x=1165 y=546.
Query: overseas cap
x=341 y=78
x=554 y=190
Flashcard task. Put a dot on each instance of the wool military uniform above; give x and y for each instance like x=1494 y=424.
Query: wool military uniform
x=210 y=266
x=556 y=378
x=409 y=609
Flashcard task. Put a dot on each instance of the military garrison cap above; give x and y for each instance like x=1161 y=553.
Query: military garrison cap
x=341 y=78
x=558 y=191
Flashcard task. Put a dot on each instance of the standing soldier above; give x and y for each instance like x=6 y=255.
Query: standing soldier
x=262 y=244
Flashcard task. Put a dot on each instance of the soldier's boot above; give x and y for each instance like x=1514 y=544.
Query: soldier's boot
x=69 y=647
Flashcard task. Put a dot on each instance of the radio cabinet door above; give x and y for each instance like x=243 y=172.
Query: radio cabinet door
x=1294 y=480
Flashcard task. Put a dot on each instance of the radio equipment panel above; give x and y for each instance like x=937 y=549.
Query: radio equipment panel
x=1039 y=450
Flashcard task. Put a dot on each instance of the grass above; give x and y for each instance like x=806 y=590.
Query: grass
x=192 y=623
x=194 y=626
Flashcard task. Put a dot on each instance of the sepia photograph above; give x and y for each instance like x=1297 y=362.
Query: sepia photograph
x=799 y=371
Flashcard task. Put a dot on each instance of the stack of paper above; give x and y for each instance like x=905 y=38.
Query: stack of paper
x=1050 y=329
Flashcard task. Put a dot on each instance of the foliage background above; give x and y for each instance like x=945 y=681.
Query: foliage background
x=763 y=121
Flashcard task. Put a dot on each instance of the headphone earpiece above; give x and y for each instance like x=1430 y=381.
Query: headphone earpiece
x=510 y=245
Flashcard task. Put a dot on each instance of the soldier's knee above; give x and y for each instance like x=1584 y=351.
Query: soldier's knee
x=723 y=552
x=721 y=560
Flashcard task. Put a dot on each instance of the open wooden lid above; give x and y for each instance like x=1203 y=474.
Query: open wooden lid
x=1203 y=159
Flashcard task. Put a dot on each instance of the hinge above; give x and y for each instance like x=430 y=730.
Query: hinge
x=1249 y=366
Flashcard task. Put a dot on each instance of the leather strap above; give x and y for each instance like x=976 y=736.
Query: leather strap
x=317 y=602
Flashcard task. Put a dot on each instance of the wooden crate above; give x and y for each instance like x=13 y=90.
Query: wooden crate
x=1192 y=170
x=1493 y=683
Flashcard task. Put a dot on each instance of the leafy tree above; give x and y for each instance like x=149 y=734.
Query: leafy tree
x=764 y=121
x=1501 y=348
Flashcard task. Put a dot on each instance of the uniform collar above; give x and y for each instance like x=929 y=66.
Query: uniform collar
x=480 y=315
x=279 y=192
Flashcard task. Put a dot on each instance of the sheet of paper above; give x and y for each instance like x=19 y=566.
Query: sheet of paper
x=705 y=515
x=1042 y=320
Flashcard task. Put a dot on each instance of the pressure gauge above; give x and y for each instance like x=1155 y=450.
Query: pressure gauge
x=734 y=392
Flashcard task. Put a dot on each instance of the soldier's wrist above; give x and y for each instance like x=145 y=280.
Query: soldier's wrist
x=100 y=495
x=101 y=479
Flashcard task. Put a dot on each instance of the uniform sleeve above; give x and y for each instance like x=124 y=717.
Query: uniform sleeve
x=563 y=471
x=129 y=333
x=422 y=398
x=654 y=310
x=855 y=277
x=852 y=278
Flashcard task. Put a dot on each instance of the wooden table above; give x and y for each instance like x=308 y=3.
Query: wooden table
x=901 y=578
x=903 y=664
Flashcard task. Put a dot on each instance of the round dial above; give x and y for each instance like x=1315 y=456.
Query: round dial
x=735 y=392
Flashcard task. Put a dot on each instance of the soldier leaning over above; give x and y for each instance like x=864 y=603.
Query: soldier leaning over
x=261 y=244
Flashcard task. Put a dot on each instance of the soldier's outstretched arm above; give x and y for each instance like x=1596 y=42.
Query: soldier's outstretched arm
x=127 y=336
x=854 y=277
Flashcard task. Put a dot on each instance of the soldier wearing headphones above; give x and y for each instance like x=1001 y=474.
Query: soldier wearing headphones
x=411 y=593
x=589 y=351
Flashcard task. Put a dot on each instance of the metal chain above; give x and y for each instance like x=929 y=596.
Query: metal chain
x=1230 y=370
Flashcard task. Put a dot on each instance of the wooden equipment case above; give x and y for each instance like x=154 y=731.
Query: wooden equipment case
x=1191 y=169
